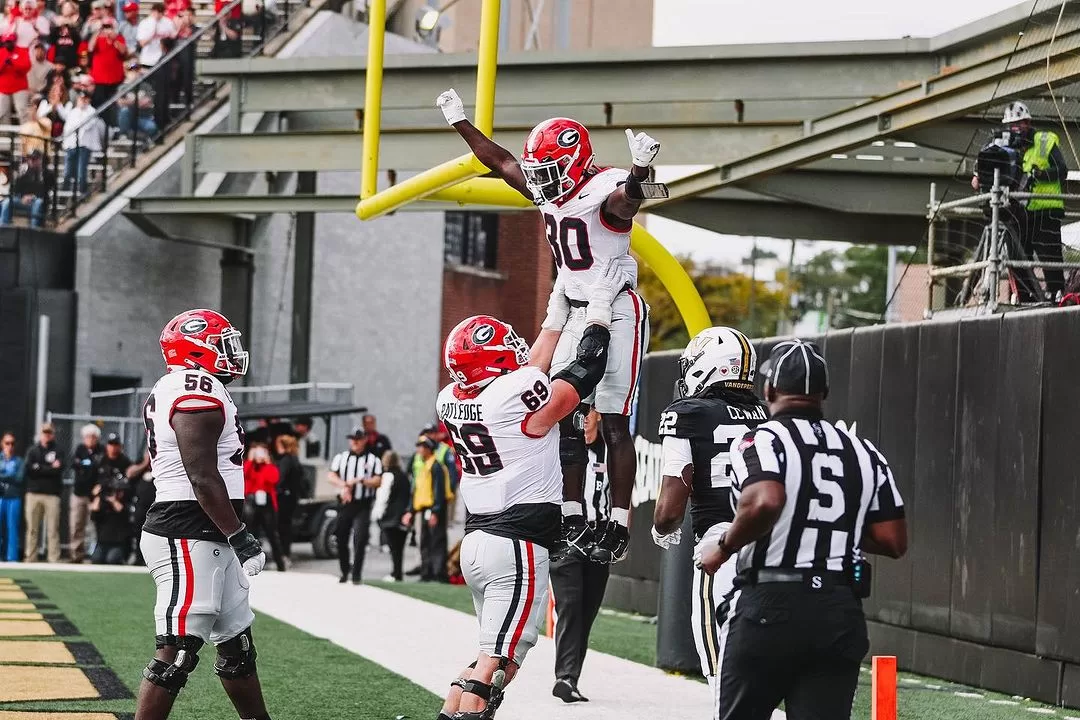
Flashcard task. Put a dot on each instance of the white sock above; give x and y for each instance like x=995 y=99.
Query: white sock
x=620 y=516
x=571 y=507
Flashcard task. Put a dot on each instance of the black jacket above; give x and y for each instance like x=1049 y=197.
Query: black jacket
x=38 y=183
x=113 y=526
x=41 y=476
x=399 y=502
x=292 y=483
x=84 y=462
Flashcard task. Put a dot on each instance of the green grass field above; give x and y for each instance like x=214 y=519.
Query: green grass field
x=920 y=698
x=303 y=676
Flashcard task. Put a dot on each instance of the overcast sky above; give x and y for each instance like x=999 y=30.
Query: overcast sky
x=716 y=22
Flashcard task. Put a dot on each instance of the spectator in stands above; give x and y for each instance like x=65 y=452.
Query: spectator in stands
x=398 y=499
x=11 y=491
x=309 y=441
x=155 y=33
x=129 y=26
x=228 y=38
x=93 y=23
x=14 y=85
x=5 y=185
x=49 y=108
x=44 y=485
x=110 y=506
x=108 y=53
x=260 y=499
x=45 y=12
x=376 y=441
x=34 y=133
x=31 y=192
x=174 y=8
x=84 y=464
x=429 y=502
x=182 y=70
x=291 y=487
x=130 y=118
x=30 y=26
x=64 y=44
x=84 y=135
x=37 y=79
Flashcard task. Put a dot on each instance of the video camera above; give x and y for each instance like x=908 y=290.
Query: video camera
x=998 y=154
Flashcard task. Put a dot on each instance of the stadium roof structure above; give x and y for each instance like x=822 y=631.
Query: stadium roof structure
x=824 y=140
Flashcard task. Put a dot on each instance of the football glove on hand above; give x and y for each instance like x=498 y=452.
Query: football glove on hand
x=452 y=107
x=666 y=542
x=603 y=292
x=249 y=550
x=642 y=147
x=558 y=308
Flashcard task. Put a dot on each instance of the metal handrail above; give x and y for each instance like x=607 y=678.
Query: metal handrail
x=237 y=390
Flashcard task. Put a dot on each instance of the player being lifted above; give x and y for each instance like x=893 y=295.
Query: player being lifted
x=589 y=212
x=503 y=414
x=197 y=550
x=716 y=407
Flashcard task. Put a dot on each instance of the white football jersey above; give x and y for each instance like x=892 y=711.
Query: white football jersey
x=502 y=466
x=185 y=389
x=582 y=240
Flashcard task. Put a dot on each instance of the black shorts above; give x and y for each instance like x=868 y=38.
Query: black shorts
x=784 y=643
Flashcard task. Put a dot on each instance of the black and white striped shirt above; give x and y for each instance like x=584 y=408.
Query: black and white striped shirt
x=836 y=484
x=349 y=465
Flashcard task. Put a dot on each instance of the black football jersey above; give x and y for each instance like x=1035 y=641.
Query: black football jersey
x=711 y=425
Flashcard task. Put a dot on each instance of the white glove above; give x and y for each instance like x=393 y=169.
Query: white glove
x=558 y=307
x=709 y=539
x=603 y=292
x=666 y=542
x=642 y=147
x=452 y=107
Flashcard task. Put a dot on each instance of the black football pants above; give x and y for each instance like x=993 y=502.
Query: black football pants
x=352 y=521
x=782 y=642
x=578 y=585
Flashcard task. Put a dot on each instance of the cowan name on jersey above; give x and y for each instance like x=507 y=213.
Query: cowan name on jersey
x=701 y=430
x=511 y=481
x=582 y=240
x=176 y=512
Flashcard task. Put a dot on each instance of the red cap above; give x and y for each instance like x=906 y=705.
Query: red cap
x=130 y=5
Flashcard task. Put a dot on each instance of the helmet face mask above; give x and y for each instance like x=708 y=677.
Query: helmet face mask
x=232 y=358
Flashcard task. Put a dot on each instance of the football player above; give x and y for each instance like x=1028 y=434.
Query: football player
x=197 y=550
x=718 y=405
x=502 y=415
x=589 y=212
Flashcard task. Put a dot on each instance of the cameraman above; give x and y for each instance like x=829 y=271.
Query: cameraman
x=1040 y=222
x=109 y=506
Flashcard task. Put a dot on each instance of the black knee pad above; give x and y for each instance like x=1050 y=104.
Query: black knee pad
x=173 y=676
x=572 y=437
x=236 y=657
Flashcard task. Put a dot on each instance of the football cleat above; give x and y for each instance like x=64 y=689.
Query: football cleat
x=576 y=540
x=612 y=546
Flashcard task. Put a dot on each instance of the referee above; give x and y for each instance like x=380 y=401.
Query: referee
x=577 y=583
x=811 y=499
x=357 y=473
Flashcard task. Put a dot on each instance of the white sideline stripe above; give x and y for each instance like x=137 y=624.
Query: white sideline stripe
x=430 y=645
x=64 y=567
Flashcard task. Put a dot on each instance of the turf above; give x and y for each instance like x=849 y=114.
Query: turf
x=303 y=676
x=920 y=698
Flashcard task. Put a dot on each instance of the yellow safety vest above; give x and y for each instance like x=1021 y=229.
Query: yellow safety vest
x=440 y=455
x=1037 y=157
x=424 y=488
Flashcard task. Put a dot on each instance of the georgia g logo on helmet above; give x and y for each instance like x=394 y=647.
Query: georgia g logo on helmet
x=568 y=138
x=483 y=334
x=194 y=326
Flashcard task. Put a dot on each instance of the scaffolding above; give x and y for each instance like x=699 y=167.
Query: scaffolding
x=997 y=259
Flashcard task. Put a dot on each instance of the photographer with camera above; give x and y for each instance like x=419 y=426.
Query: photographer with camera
x=109 y=506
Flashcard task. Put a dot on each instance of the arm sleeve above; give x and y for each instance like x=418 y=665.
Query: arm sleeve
x=758 y=456
x=886 y=503
x=675 y=455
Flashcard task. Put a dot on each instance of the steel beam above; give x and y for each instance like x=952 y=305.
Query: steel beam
x=954 y=94
x=859 y=193
x=267 y=204
x=794 y=222
x=758 y=76
x=412 y=150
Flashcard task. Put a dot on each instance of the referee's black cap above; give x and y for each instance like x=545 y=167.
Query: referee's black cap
x=797 y=367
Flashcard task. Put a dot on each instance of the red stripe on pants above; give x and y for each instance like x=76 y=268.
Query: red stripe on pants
x=526 y=609
x=189 y=589
x=634 y=362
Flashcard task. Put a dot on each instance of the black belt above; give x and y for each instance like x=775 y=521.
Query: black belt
x=585 y=303
x=803 y=577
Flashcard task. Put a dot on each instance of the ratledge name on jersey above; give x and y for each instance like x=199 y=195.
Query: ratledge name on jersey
x=470 y=412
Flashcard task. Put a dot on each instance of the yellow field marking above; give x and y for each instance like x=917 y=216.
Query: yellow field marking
x=8 y=615
x=16 y=606
x=16 y=715
x=21 y=683
x=25 y=628
x=7 y=581
x=36 y=651
x=12 y=594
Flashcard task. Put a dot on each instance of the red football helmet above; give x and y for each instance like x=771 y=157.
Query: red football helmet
x=557 y=155
x=204 y=339
x=481 y=349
